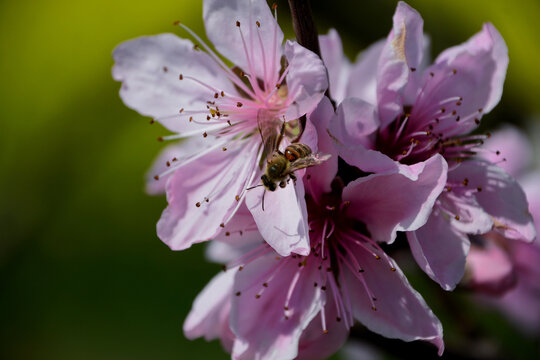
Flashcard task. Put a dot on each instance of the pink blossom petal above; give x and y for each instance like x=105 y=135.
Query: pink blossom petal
x=402 y=53
x=397 y=201
x=209 y=316
x=337 y=64
x=500 y=196
x=260 y=322
x=170 y=156
x=490 y=269
x=149 y=68
x=440 y=250
x=355 y=120
x=306 y=80
x=512 y=145
x=315 y=344
x=531 y=186
x=220 y=20
x=363 y=75
x=283 y=222
x=484 y=58
x=321 y=176
x=401 y=312
x=218 y=176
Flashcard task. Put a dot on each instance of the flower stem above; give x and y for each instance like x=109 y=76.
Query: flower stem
x=304 y=26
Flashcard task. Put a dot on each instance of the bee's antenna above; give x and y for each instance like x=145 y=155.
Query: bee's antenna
x=253 y=187
x=264 y=193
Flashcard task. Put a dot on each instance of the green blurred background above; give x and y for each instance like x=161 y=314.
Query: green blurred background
x=82 y=273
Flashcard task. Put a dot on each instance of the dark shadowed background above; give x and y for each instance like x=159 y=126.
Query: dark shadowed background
x=82 y=273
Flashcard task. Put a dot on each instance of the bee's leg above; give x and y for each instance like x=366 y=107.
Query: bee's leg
x=280 y=137
x=293 y=177
x=283 y=183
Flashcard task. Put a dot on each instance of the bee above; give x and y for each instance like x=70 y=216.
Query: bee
x=280 y=166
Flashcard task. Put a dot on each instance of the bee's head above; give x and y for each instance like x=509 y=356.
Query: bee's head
x=270 y=185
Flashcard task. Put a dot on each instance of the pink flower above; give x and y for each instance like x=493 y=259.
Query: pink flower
x=219 y=109
x=421 y=111
x=281 y=308
x=505 y=267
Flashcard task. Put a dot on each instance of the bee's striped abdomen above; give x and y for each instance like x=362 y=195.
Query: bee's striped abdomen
x=296 y=151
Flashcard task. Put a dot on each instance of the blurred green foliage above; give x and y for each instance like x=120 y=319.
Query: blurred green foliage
x=82 y=273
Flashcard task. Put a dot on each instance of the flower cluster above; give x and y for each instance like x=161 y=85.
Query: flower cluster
x=303 y=170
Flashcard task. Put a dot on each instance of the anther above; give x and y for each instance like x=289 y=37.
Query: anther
x=393 y=268
x=152 y=121
x=239 y=104
x=224 y=268
x=413 y=69
x=207 y=199
x=315 y=284
x=240 y=268
x=377 y=257
x=285 y=308
x=176 y=23
x=237 y=198
x=181 y=110
x=431 y=74
x=498 y=152
x=479 y=189
x=465 y=182
x=454 y=71
x=360 y=270
x=328 y=269
x=443 y=109
x=222 y=94
x=323 y=288
x=216 y=95
x=257 y=296
x=278 y=258
x=325 y=331
x=198 y=204
x=265 y=285
x=338 y=319
x=181 y=77
x=480 y=110
x=258 y=23
x=160 y=138
x=274 y=6
x=458 y=103
x=228 y=122
x=457 y=217
x=458 y=118
x=207 y=117
x=204 y=134
x=222 y=225
x=174 y=159
x=224 y=149
x=156 y=177
x=227 y=234
x=238 y=293
x=373 y=308
x=237 y=23
x=190 y=118
x=454 y=112
x=168 y=163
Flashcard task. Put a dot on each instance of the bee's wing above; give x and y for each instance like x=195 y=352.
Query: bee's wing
x=270 y=136
x=310 y=160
